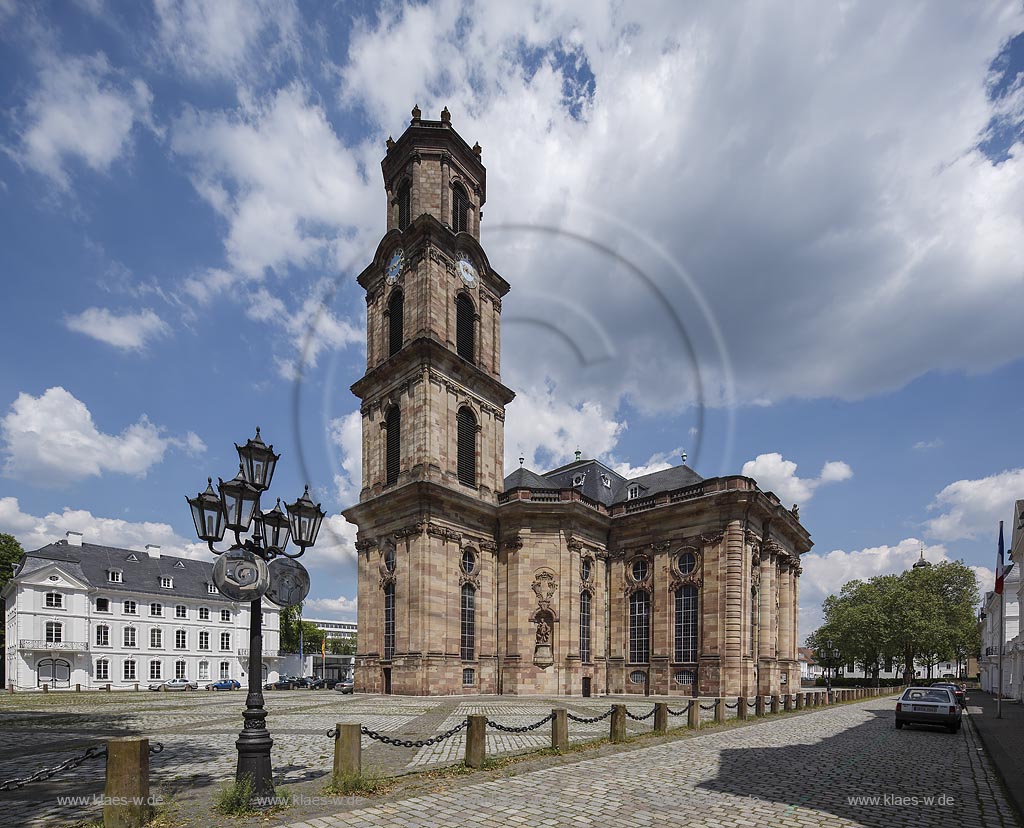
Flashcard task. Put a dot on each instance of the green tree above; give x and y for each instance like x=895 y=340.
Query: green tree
x=10 y=553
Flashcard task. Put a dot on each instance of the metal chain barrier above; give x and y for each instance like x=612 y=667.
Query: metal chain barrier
x=732 y=706
x=639 y=718
x=711 y=706
x=752 y=704
x=685 y=710
x=156 y=747
x=582 y=720
x=95 y=752
x=527 y=728
x=387 y=740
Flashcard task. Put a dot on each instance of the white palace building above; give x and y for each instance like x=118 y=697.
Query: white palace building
x=79 y=613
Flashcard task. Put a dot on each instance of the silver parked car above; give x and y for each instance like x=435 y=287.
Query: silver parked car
x=928 y=705
x=174 y=684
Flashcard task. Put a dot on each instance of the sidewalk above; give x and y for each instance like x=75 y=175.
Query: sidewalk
x=1002 y=739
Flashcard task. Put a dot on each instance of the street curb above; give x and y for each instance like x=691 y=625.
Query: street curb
x=997 y=757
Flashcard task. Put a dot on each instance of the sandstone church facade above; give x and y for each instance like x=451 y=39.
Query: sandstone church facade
x=576 y=581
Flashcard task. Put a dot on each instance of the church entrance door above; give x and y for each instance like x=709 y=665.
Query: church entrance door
x=586 y=687
x=387 y=681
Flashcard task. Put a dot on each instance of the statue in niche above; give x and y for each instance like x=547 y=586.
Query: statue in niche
x=543 y=652
x=543 y=632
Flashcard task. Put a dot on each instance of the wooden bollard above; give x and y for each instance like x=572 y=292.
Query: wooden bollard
x=348 y=751
x=78 y=688
x=108 y=687
x=741 y=707
x=617 y=731
x=476 y=742
x=126 y=802
x=720 y=711
x=776 y=699
x=46 y=688
x=559 y=729
x=787 y=702
x=10 y=686
x=136 y=687
x=660 y=717
x=693 y=714
x=759 y=705
x=799 y=703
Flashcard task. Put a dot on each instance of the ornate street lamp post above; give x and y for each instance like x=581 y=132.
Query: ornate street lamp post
x=251 y=569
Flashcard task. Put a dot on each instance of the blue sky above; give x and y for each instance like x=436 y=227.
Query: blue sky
x=786 y=242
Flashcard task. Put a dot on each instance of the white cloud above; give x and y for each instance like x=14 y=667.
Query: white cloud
x=81 y=109
x=775 y=474
x=341 y=607
x=656 y=462
x=34 y=532
x=973 y=508
x=127 y=331
x=52 y=440
x=227 y=38
x=825 y=573
x=347 y=434
x=927 y=445
x=336 y=544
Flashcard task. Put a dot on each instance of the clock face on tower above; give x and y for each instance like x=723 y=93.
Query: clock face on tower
x=467 y=271
x=394 y=266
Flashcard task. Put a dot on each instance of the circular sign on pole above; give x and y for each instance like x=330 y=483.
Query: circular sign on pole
x=289 y=582
x=241 y=575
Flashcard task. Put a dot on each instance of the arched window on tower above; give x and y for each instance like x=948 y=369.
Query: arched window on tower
x=460 y=209
x=467 y=446
x=686 y=624
x=404 y=205
x=640 y=627
x=468 y=644
x=585 y=654
x=396 y=321
x=465 y=322
x=393 y=440
x=389 y=622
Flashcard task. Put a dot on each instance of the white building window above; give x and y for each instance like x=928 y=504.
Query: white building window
x=129 y=637
x=204 y=613
x=102 y=605
x=225 y=641
x=54 y=600
x=632 y=492
x=204 y=670
x=204 y=640
x=103 y=636
x=114 y=576
x=130 y=608
x=129 y=671
x=154 y=670
x=103 y=670
x=211 y=588
x=181 y=611
x=54 y=632
x=179 y=669
x=225 y=669
x=225 y=615
x=180 y=640
x=156 y=638
x=156 y=609
x=166 y=583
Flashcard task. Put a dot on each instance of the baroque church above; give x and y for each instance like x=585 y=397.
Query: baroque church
x=576 y=581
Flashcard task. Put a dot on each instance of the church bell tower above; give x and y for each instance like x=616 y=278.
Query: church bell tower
x=433 y=415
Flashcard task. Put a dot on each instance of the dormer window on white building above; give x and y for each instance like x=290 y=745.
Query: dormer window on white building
x=54 y=600
x=114 y=576
x=211 y=588
x=166 y=583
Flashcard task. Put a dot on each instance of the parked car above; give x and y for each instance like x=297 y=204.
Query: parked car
x=929 y=705
x=174 y=684
x=288 y=683
x=323 y=684
x=224 y=684
x=345 y=686
x=958 y=691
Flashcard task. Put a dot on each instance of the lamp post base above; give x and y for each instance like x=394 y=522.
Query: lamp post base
x=254 y=762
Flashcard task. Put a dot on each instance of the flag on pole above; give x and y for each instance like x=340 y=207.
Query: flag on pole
x=1000 y=571
x=323 y=646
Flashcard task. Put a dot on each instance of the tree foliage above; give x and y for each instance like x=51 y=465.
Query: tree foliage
x=924 y=615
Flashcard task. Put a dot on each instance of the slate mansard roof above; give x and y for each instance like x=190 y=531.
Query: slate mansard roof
x=595 y=480
x=140 y=571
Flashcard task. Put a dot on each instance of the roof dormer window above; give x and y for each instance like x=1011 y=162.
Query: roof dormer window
x=166 y=583
x=133 y=558
x=211 y=588
x=114 y=576
x=633 y=492
x=606 y=481
x=578 y=479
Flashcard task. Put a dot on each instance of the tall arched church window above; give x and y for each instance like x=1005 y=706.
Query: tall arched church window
x=640 y=627
x=467 y=446
x=389 y=622
x=468 y=642
x=686 y=624
x=585 y=654
x=404 y=205
x=465 y=334
x=396 y=321
x=460 y=209
x=393 y=450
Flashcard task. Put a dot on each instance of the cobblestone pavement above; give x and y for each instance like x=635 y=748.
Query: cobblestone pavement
x=806 y=770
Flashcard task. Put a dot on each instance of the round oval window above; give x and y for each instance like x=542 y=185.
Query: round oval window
x=468 y=562
x=586 y=568
x=637 y=677
x=687 y=562
x=639 y=569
